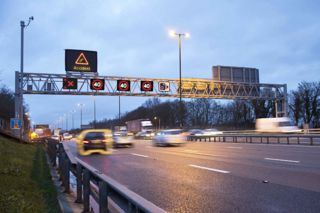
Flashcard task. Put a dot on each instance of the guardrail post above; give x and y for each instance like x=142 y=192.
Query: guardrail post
x=86 y=191
x=250 y=139
x=67 y=174
x=287 y=140
x=223 y=139
x=267 y=139
x=261 y=139
x=246 y=139
x=54 y=153
x=311 y=140
x=60 y=158
x=62 y=167
x=298 y=139
x=214 y=139
x=103 y=197
x=278 y=139
x=79 y=183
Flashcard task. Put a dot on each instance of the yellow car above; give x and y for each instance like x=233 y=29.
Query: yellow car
x=95 y=141
x=33 y=136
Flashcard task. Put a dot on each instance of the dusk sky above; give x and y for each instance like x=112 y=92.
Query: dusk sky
x=280 y=38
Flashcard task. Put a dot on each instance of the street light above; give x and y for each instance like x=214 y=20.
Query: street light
x=155 y=118
x=72 y=112
x=23 y=26
x=80 y=105
x=94 y=112
x=66 y=116
x=172 y=33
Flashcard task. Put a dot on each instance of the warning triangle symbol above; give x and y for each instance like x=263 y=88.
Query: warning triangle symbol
x=81 y=60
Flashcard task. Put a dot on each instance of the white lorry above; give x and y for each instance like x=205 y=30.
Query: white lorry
x=276 y=125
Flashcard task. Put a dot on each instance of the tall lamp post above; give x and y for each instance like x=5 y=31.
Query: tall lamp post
x=179 y=35
x=155 y=118
x=119 y=109
x=23 y=26
x=72 y=112
x=80 y=105
x=94 y=112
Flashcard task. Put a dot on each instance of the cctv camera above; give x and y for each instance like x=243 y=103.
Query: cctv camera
x=31 y=18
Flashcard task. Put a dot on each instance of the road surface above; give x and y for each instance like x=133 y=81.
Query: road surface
x=218 y=177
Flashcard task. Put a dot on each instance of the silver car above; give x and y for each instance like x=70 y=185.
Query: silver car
x=169 y=137
x=122 y=139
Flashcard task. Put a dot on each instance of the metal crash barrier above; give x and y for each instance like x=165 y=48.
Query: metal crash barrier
x=92 y=183
x=311 y=139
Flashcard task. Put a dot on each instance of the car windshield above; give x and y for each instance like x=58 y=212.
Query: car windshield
x=211 y=130
x=95 y=136
x=175 y=132
x=285 y=123
x=120 y=134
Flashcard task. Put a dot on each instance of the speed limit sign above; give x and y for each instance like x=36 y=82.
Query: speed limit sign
x=146 y=86
x=97 y=84
x=123 y=85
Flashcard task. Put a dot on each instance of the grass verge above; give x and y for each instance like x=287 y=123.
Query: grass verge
x=25 y=180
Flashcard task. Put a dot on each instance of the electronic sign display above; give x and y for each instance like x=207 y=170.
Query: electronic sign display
x=80 y=60
x=123 y=85
x=146 y=86
x=97 y=84
x=70 y=83
x=164 y=86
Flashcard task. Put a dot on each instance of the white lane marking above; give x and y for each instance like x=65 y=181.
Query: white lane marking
x=283 y=160
x=234 y=147
x=114 y=150
x=210 y=169
x=144 y=156
x=200 y=153
x=149 y=146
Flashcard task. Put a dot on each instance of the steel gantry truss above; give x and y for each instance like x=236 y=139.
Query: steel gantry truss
x=52 y=84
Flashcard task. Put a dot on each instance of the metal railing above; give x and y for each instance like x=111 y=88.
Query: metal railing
x=312 y=139
x=92 y=183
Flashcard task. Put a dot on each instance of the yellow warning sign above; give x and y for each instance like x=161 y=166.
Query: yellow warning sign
x=81 y=60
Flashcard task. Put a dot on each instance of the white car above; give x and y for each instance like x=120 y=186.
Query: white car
x=67 y=136
x=122 y=139
x=145 y=134
x=208 y=132
x=169 y=137
x=276 y=125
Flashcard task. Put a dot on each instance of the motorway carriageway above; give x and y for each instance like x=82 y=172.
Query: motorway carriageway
x=217 y=177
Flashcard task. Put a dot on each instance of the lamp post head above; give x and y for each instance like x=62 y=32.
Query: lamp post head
x=172 y=33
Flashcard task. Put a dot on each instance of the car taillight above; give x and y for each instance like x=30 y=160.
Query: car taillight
x=85 y=141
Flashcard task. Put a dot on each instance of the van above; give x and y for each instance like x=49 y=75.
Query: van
x=276 y=125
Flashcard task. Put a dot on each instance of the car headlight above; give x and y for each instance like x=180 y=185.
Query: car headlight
x=109 y=135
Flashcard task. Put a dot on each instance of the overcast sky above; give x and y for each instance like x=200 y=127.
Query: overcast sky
x=280 y=38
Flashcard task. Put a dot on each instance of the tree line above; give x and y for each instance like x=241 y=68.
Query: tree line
x=7 y=108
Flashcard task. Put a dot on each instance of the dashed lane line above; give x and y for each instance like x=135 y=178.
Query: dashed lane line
x=144 y=156
x=210 y=169
x=282 y=160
